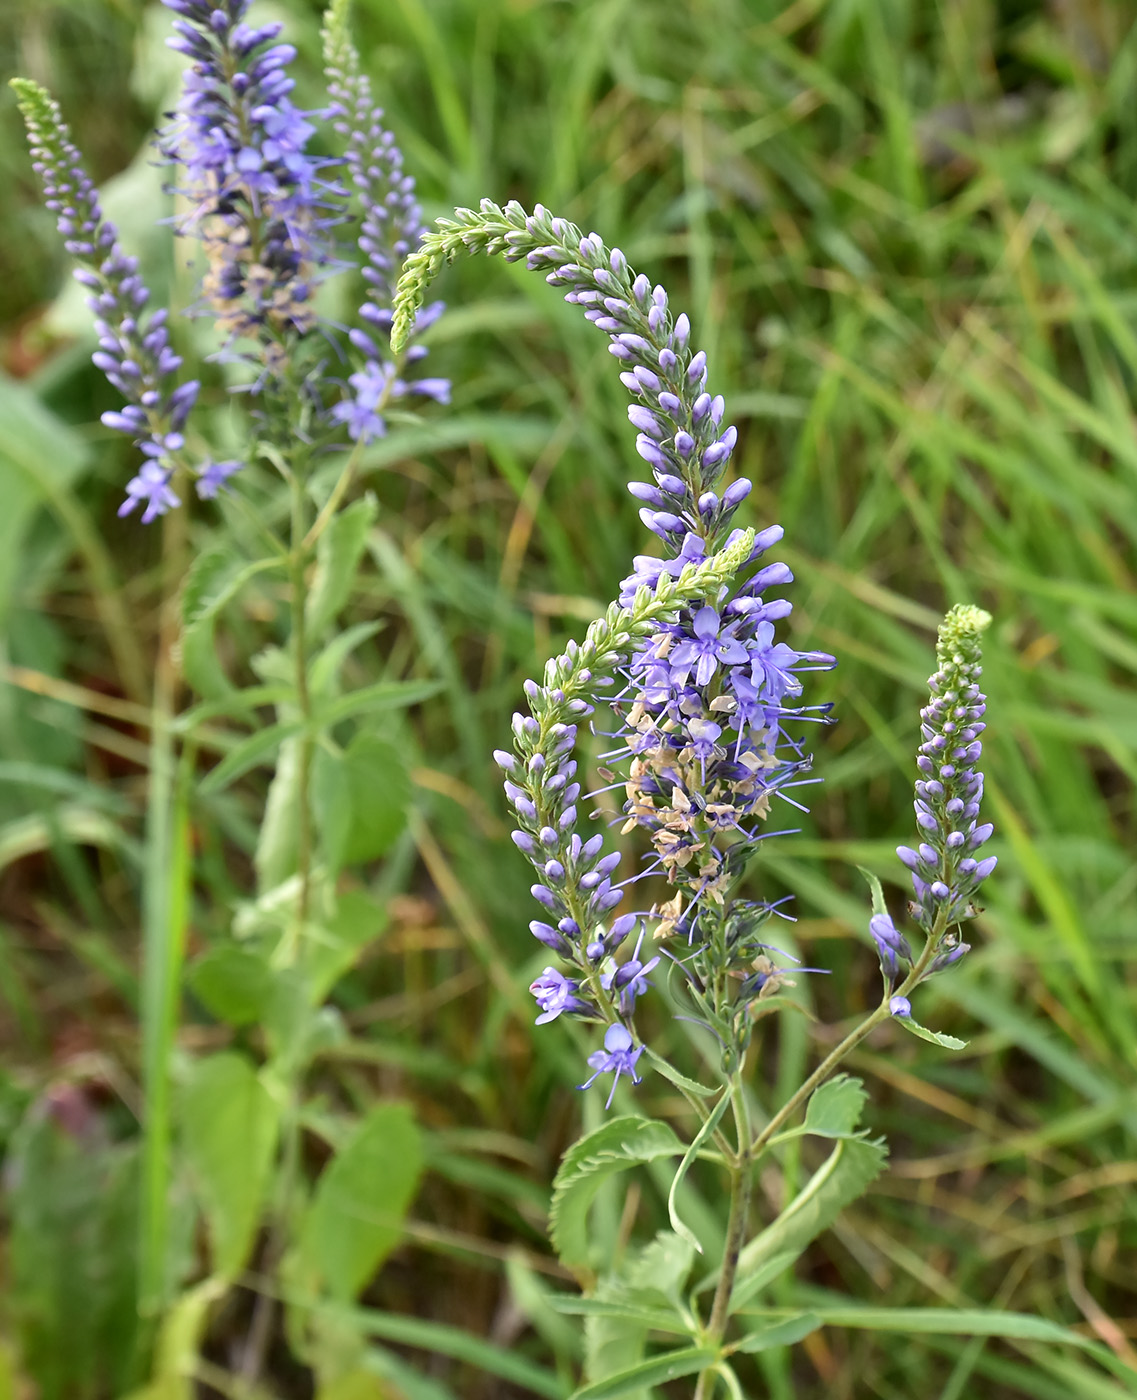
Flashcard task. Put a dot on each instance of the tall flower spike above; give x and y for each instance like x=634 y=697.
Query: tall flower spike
x=706 y=689
x=257 y=200
x=947 y=868
x=390 y=228
x=134 y=350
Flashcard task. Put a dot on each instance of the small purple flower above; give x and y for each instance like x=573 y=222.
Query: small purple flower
x=900 y=1006
x=944 y=868
x=152 y=485
x=890 y=944
x=616 y=1058
x=648 y=570
x=771 y=664
x=556 y=993
x=213 y=477
x=630 y=978
x=361 y=412
x=710 y=645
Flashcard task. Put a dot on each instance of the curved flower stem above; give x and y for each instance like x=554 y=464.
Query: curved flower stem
x=851 y=1041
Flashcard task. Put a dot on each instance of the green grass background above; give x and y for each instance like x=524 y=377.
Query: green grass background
x=905 y=232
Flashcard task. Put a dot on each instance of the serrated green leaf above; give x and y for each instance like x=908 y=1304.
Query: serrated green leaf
x=613 y=1147
x=338 y=553
x=848 y=1171
x=356 y=1216
x=949 y=1042
x=780 y=1334
x=229 y=1125
x=835 y=1109
x=232 y=982
x=689 y=1156
x=655 y=1371
x=659 y=1268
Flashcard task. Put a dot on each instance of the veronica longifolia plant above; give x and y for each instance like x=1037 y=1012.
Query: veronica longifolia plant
x=272 y=223
x=708 y=705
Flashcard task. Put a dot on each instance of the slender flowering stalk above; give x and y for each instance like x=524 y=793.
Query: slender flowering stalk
x=265 y=213
x=134 y=350
x=947 y=868
x=703 y=700
x=390 y=228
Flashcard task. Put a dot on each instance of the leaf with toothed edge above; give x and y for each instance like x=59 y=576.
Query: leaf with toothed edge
x=615 y=1146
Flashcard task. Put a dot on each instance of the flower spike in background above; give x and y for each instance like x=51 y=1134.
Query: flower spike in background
x=134 y=349
x=265 y=211
x=946 y=867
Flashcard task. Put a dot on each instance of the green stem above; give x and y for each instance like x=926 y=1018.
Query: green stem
x=851 y=1041
x=165 y=895
x=331 y=505
x=287 y=1063
x=304 y=702
x=750 y=1149
x=741 y=1185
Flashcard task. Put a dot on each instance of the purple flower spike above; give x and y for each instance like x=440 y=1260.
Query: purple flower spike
x=945 y=877
x=134 y=350
x=390 y=228
x=616 y=1058
x=700 y=696
x=256 y=199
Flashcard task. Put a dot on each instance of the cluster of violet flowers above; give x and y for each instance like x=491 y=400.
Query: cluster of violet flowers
x=705 y=701
x=267 y=213
x=702 y=704
x=946 y=867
